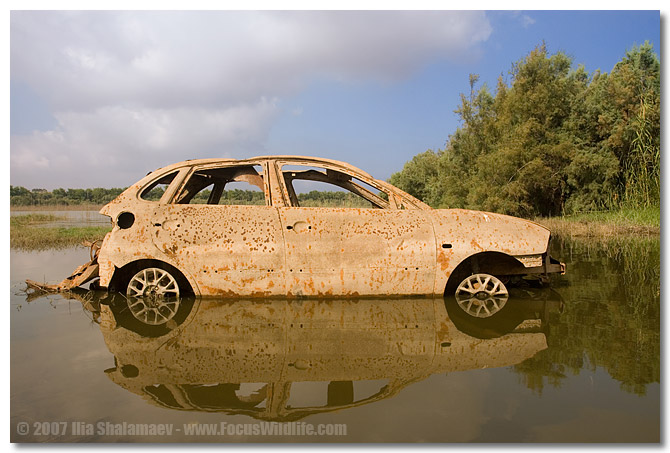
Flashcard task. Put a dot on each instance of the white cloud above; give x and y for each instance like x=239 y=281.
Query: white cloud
x=117 y=143
x=183 y=84
x=527 y=21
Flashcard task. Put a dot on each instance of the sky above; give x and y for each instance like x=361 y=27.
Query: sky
x=101 y=98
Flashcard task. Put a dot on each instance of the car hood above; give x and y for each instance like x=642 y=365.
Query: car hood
x=486 y=231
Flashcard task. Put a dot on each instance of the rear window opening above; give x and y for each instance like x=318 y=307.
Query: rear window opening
x=242 y=185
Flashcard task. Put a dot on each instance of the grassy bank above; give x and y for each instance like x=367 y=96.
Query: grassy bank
x=627 y=221
x=27 y=232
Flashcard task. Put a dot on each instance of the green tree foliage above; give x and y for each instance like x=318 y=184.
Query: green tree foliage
x=420 y=177
x=554 y=140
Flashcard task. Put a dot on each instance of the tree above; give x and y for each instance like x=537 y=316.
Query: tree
x=625 y=106
x=554 y=140
x=418 y=176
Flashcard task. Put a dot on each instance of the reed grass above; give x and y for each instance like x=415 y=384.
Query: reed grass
x=606 y=224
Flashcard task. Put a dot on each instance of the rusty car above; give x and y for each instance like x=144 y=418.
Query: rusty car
x=231 y=228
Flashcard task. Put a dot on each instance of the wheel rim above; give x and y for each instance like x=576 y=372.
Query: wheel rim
x=153 y=296
x=481 y=295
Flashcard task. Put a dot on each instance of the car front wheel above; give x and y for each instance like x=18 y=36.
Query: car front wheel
x=481 y=295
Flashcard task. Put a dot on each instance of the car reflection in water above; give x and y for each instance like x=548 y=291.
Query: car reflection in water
x=284 y=360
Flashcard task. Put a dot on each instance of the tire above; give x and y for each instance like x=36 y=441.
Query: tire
x=481 y=295
x=153 y=296
x=157 y=300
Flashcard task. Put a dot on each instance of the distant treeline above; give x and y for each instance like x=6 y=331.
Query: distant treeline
x=20 y=196
x=313 y=198
x=553 y=140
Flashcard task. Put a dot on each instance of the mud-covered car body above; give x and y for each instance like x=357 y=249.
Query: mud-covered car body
x=215 y=243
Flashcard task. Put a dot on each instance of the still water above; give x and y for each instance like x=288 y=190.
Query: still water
x=579 y=362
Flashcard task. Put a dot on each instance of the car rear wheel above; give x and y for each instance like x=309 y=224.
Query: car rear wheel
x=153 y=296
x=481 y=295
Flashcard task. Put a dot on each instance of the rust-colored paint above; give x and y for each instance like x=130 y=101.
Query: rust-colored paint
x=279 y=249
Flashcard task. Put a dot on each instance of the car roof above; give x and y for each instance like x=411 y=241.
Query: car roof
x=305 y=160
x=284 y=158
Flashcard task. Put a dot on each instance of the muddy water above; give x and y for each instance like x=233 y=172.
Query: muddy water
x=579 y=362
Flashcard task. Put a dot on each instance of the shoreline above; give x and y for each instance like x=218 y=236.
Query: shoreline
x=606 y=224
x=581 y=229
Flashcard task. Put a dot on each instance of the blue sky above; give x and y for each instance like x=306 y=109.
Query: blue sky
x=98 y=99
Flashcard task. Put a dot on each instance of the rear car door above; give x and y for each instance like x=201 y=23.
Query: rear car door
x=221 y=228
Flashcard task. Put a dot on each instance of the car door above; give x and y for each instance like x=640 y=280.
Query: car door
x=354 y=243
x=229 y=239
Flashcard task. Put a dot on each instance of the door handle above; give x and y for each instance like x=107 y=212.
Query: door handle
x=169 y=225
x=299 y=226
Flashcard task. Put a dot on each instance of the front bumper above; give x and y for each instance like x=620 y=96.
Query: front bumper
x=552 y=266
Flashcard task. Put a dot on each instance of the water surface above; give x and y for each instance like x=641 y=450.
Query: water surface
x=579 y=362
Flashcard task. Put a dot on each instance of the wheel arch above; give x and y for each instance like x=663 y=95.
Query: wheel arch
x=494 y=263
x=123 y=274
